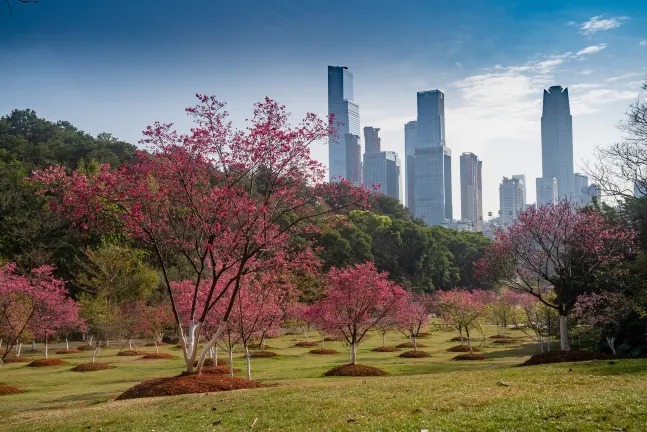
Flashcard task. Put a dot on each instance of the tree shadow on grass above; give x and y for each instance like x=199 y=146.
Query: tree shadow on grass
x=89 y=397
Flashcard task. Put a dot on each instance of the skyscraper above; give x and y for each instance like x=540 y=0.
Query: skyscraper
x=372 y=141
x=432 y=185
x=546 y=191
x=557 y=140
x=342 y=162
x=381 y=168
x=510 y=200
x=410 y=144
x=522 y=178
x=471 y=190
x=581 y=189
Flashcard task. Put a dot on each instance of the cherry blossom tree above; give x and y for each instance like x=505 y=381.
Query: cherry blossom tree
x=604 y=313
x=149 y=320
x=357 y=299
x=296 y=314
x=558 y=249
x=412 y=316
x=462 y=310
x=317 y=316
x=228 y=202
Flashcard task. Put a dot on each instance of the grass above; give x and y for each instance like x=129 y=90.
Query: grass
x=435 y=393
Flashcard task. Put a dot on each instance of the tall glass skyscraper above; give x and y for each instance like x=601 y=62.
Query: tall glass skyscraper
x=410 y=144
x=381 y=168
x=472 y=190
x=344 y=159
x=557 y=140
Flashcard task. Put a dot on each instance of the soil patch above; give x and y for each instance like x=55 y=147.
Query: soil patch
x=414 y=354
x=565 y=356
x=158 y=344
x=386 y=349
x=323 y=351
x=254 y=346
x=7 y=390
x=18 y=360
x=331 y=339
x=47 y=362
x=68 y=351
x=355 y=370
x=462 y=348
x=209 y=362
x=86 y=348
x=306 y=344
x=128 y=353
x=156 y=356
x=506 y=341
x=422 y=335
x=457 y=339
x=187 y=384
x=89 y=367
x=410 y=345
x=498 y=337
x=218 y=370
x=263 y=354
x=470 y=357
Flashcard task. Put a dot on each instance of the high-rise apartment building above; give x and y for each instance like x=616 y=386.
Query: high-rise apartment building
x=510 y=200
x=381 y=168
x=557 y=140
x=471 y=190
x=410 y=144
x=522 y=178
x=343 y=161
x=546 y=191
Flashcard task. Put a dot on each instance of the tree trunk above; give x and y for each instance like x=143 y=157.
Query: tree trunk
x=469 y=340
x=460 y=330
x=383 y=334
x=249 y=363
x=95 y=352
x=353 y=353
x=323 y=342
x=541 y=344
x=157 y=349
x=67 y=344
x=505 y=325
x=231 y=361
x=306 y=334
x=19 y=350
x=612 y=344
x=45 y=346
x=130 y=344
x=563 y=333
x=548 y=342
x=33 y=345
x=415 y=343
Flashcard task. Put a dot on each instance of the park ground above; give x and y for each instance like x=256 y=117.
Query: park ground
x=436 y=394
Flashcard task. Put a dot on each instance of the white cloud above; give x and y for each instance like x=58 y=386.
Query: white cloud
x=643 y=43
x=589 y=102
x=596 y=24
x=583 y=86
x=585 y=72
x=625 y=76
x=593 y=49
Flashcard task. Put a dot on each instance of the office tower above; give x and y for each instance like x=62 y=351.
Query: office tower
x=557 y=140
x=346 y=122
x=432 y=166
x=471 y=190
x=383 y=169
x=410 y=144
x=372 y=141
x=432 y=187
x=546 y=191
x=522 y=178
x=510 y=200
x=592 y=192
x=581 y=186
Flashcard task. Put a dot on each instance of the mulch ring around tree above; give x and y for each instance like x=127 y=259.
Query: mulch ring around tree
x=306 y=344
x=469 y=357
x=263 y=354
x=86 y=348
x=130 y=353
x=323 y=351
x=422 y=335
x=157 y=356
x=331 y=339
x=457 y=339
x=355 y=370
x=17 y=360
x=410 y=345
x=47 y=362
x=152 y=344
x=8 y=390
x=507 y=341
x=218 y=370
x=209 y=362
x=499 y=337
x=565 y=356
x=255 y=345
x=89 y=367
x=414 y=354
x=68 y=351
x=386 y=349
x=187 y=384
x=462 y=348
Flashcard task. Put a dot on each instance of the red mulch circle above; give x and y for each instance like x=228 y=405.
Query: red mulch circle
x=47 y=362
x=157 y=356
x=565 y=356
x=323 y=351
x=187 y=384
x=457 y=339
x=462 y=348
x=89 y=367
x=152 y=344
x=209 y=362
x=410 y=345
x=218 y=370
x=18 y=360
x=8 y=390
x=68 y=351
x=178 y=346
x=422 y=335
x=414 y=354
x=86 y=348
x=355 y=370
x=470 y=357
x=306 y=344
x=254 y=346
x=498 y=337
x=386 y=349
x=263 y=354
x=128 y=353
x=331 y=339
x=506 y=341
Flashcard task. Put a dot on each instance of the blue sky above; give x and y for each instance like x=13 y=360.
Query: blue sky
x=119 y=65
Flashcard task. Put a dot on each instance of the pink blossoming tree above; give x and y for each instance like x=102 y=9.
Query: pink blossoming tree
x=413 y=315
x=604 y=313
x=462 y=310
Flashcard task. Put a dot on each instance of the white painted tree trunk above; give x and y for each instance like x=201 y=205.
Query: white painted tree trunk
x=231 y=362
x=90 y=340
x=45 y=347
x=67 y=344
x=415 y=343
x=130 y=344
x=157 y=348
x=460 y=331
x=548 y=343
x=95 y=352
x=611 y=341
x=306 y=334
x=249 y=363
x=18 y=351
x=353 y=353
x=33 y=345
x=323 y=342
x=563 y=333
x=469 y=341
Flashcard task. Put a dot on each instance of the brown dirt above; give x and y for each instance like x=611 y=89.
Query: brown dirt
x=306 y=344
x=86 y=348
x=498 y=337
x=457 y=339
x=263 y=354
x=422 y=335
x=152 y=344
x=414 y=354
x=187 y=384
x=565 y=356
x=507 y=341
x=89 y=367
x=8 y=390
x=355 y=370
x=47 y=362
x=331 y=339
x=157 y=356
x=410 y=345
x=209 y=362
x=323 y=351
x=130 y=353
x=254 y=346
x=462 y=348
x=68 y=351
x=178 y=346
x=386 y=349
x=218 y=370
x=470 y=357
x=18 y=360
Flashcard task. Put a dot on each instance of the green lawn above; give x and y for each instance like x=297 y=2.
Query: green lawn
x=435 y=393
